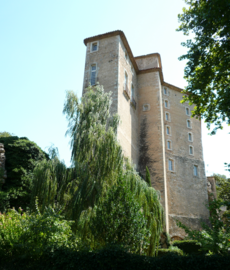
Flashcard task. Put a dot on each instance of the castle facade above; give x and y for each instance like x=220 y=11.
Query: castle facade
x=156 y=129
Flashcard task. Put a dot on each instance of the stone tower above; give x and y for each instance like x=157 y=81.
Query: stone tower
x=156 y=130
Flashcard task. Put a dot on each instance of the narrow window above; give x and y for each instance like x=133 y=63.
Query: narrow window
x=187 y=111
x=190 y=150
x=166 y=104
x=195 y=170
x=94 y=47
x=132 y=92
x=170 y=163
x=190 y=137
x=165 y=91
x=169 y=144
x=126 y=81
x=167 y=116
x=126 y=56
x=188 y=123
x=168 y=130
x=93 y=75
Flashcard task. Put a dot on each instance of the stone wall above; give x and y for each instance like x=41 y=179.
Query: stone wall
x=2 y=162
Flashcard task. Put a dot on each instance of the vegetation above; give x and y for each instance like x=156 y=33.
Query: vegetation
x=187 y=246
x=214 y=238
x=98 y=174
x=21 y=158
x=207 y=69
x=223 y=188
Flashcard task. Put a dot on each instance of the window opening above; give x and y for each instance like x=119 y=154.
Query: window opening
x=169 y=144
x=190 y=150
x=170 y=163
x=166 y=103
x=190 y=137
x=168 y=130
x=165 y=91
x=187 y=111
x=167 y=116
x=132 y=91
x=188 y=123
x=93 y=75
x=94 y=47
x=195 y=170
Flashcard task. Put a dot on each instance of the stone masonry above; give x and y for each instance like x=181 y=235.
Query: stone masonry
x=2 y=162
x=156 y=129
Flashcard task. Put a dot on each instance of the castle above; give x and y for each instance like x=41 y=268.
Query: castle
x=156 y=129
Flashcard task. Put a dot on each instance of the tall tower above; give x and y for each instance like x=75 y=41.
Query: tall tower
x=156 y=130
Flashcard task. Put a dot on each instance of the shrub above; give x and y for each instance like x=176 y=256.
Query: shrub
x=187 y=246
x=25 y=234
x=166 y=251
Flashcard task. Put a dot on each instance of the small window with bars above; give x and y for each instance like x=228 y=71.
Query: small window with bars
x=93 y=74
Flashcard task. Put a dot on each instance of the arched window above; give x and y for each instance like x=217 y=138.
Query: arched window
x=93 y=74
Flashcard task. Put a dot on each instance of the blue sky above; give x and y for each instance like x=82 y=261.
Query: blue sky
x=42 y=54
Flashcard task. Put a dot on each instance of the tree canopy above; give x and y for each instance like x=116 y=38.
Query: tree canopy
x=207 y=70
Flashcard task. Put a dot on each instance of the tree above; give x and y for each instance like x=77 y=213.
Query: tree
x=207 y=70
x=21 y=158
x=147 y=176
x=97 y=163
x=223 y=188
x=5 y=134
x=118 y=219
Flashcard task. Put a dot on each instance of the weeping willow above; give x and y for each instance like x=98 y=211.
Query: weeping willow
x=97 y=160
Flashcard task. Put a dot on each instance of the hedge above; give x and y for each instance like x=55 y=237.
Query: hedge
x=113 y=258
x=188 y=246
x=166 y=251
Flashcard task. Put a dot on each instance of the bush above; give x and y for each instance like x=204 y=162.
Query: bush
x=30 y=235
x=21 y=157
x=187 y=246
x=166 y=251
x=115 y=258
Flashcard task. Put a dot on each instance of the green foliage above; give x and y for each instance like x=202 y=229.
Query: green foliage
x=148 y=177
x=187 y=246
x=115 y=258
x=5 y=134
x=208 y=57
x=119 y=219
x=25 y=234
x=223 y=188
x=21 y=158
x=214 y=238
x=166 y=251
x=97 y=164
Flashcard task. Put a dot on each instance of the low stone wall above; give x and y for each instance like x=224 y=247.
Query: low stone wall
x=2 y=162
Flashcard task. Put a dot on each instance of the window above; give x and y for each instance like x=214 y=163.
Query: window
x=166 y=104
x=189 y=124
x=93 y=74
x=132 y=91
x=167 y=118
x=94 y=47
x=190 y=137
x=126 y=56
x=165 y=91
x=126 y=81
x=190 y=150
x=170 y=165
x=195 y=170
x=187 y=111
x=146 y=107
x=168 y=130
x=169 y=145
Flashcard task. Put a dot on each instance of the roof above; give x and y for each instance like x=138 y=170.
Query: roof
x=132 y=58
